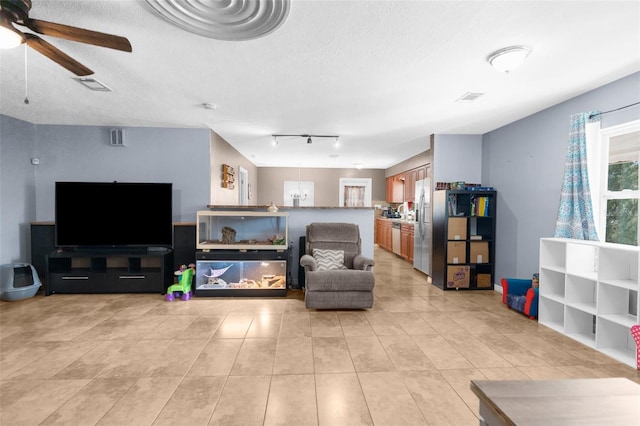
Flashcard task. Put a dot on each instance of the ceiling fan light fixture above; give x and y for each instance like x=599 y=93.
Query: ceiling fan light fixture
x=509 y=58
x=10 y=38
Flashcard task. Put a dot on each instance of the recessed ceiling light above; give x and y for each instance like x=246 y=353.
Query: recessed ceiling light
x=358 y=165
x=209 y=106
x=509 y=58
x=93 y=84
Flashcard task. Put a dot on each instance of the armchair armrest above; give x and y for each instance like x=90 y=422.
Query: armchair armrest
x=516 y=286
x=531 y=305
x=308 y=263
x=362 y=262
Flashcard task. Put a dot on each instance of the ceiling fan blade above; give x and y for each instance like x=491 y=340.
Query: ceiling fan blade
x=56 y=55
x=77 y=34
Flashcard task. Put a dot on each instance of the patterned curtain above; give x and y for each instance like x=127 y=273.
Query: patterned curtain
x=575 y=215
x=354 y=196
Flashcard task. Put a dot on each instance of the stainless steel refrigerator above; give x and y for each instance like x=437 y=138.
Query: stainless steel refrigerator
x=422 y=233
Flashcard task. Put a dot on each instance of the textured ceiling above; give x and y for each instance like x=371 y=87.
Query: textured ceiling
x=381 y=74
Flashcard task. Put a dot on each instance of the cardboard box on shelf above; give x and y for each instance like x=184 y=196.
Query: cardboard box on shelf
x=457 y=252
x=457 y=228
x=479 y=252
x=458 y=276
x=483 y=280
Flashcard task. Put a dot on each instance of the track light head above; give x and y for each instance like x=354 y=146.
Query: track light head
x=309 y=141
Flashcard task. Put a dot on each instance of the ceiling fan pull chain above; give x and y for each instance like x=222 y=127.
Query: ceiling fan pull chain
x=26 y=85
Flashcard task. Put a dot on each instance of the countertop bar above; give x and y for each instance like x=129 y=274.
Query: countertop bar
x=211 y=206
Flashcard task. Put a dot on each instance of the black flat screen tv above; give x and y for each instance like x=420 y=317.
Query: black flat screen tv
x=96 y=215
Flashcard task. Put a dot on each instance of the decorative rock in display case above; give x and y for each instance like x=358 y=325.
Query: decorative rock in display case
x=236 y=230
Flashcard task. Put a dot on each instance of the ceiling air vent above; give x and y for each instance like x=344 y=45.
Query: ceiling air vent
x=93 y=84
x=469 y=97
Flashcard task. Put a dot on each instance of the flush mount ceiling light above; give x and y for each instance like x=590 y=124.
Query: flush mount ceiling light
x=232 y=20
x=509 y=58
x=309 y=138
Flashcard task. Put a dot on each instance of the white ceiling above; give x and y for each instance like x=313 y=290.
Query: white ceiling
x=381 y=74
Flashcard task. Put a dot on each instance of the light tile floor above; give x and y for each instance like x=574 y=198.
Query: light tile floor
x=139 y=360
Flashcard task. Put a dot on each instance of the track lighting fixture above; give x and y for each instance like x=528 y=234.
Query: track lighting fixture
x=309 y=138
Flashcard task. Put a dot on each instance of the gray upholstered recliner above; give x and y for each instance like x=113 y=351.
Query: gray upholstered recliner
x=337 y=276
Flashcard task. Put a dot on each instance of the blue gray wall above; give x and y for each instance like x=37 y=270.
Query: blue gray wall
x=83 y=153
x=17 y=188
x=524 y=161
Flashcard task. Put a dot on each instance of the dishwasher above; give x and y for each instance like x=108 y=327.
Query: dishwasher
x=395 y=237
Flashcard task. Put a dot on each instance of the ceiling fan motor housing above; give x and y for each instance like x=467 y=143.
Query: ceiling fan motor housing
x=15 y=10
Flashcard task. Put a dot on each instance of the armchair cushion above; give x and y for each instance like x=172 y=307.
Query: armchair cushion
x=329 y=260
x=344 y=280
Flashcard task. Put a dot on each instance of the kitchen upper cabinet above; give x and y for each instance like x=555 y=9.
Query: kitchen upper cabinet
x=421 y=173
x=395 y=189
x=402 y=187
x=410 y=185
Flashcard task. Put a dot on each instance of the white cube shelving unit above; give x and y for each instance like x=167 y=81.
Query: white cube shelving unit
x=590 y=291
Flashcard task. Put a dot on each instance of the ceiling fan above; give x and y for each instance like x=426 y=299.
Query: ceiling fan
x=16 y=12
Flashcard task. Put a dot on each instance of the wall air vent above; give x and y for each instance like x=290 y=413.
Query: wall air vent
x=469 y=97
x=117 y=137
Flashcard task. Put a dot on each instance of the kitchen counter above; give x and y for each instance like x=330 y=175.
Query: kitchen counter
x=284 y=208
x=396 y=220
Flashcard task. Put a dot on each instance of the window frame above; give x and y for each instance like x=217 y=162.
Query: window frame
x=605 y=195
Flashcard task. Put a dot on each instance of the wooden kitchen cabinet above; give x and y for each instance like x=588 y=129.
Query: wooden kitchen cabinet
x=383 y=234
x=409 y=231
x=395 y=189
x=410 y=185
x=406 y=241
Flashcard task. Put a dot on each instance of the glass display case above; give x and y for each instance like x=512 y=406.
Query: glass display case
x=235 y=230
x=246 y=273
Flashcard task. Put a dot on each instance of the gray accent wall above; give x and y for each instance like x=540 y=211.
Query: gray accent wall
x=17 y=188
x=456 y=158
x=84 y=153
x=524 y=161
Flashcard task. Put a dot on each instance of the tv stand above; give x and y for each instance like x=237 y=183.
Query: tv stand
x=111 y=271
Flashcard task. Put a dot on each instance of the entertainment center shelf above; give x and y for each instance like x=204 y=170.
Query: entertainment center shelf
x=109 y=272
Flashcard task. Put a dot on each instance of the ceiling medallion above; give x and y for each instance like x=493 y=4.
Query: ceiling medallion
x=232 y=20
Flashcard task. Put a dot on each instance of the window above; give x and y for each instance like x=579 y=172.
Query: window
x=619 y=187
